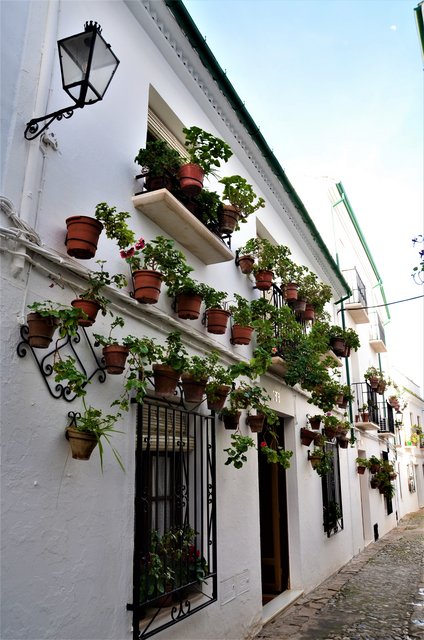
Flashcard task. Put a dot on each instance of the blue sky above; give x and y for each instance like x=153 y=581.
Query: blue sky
x=336 y=88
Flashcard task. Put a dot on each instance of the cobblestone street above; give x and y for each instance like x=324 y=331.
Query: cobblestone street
x=379 y=595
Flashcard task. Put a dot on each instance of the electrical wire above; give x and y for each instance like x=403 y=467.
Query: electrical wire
x=376 y=306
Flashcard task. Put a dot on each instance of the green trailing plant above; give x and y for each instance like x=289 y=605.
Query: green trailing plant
x=347 y=393
x=142 y=353
x=241 y=311
x=91 y=420
x=205 y=149
x=174 y=353
x=158 y=158
x=239 y=193
x=115 y=224
x=106 y=341
x=187 y=285
x=214 y=299
x=263 y=251
x=240 y=445
x=158 y=255
x=97 y=281
x=274 y=453
x=219 y=375
x=325 y=396
x=313 y=291
x=67 y=317
x=208 y=207
x=324 y=462
x=292 y=273
x=362 y=462
x=200 y=366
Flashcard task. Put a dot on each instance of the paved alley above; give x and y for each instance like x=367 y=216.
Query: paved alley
x=379 y=595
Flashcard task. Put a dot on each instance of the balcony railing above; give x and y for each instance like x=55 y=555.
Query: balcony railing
x=380 y=413
x=377 y=334
x=359 y=293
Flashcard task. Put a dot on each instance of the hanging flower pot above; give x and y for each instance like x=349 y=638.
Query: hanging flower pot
x=374 y=483
x=228 y=218
x=315 y=422
x=309 y=312
x=314 y=459
x=343 y=441
x=381 y=387
x=231 y=420
x=264 y=280
x=365 y=416
x=188 y=306
x=115 y=356
x=147 y=286
x=216 y=398
x=82 y=236
x=40 y=330
x=165 y=379
x=361 y=470
x=82 y=443
x=330 y=432
x=338 y=346
x=190 y=177
x=299 y=305
x=341 y=401
x=256 y=423
x=217 y=320
x=246 y=264
x=241 y=335
x=90 y=308
x=194 y=390
x=290 y=291
x=373 y=382
x=307 y=436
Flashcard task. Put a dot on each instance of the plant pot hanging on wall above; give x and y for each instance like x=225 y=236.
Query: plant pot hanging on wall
x=228 y=218
x=188 y=306
x=165 y=379
x=241 y=335
x=115 y=356
x=82 y=443
x=216 y=398
x=147 y=285
x=264 y=280
x=90 y=308
x=82 y=236
x=40 y=330
x=217 y=321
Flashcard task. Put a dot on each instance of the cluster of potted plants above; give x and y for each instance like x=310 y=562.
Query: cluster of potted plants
x=321 y=458
x=376 y=379
x=382 y=471
x=172 y=563
x=332 y=428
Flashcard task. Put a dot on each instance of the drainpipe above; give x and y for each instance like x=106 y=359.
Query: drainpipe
x=36 y=155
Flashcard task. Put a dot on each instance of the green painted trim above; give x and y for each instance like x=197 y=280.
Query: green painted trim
x=345 y=200
x=197 y=41
x=419 y=17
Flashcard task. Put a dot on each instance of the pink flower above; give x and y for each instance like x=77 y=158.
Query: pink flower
x=274 y=349
x=140 y=244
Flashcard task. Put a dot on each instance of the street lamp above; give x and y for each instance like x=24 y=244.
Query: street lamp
x=399 y=418
x=87 y=65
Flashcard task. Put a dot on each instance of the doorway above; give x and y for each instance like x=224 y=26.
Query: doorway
x=273 y=523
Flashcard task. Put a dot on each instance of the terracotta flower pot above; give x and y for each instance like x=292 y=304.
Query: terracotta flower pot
x=299 y=305
x=153 y=183
x=309 y=313
x=373 y=382
x=361 y=470
x=228 y=218
x=264 y=280
x=82 y=443
x=40 y=330
x=190 y=177
x=194 y=390
x=330 y=432
x=343 y=442
x=82 y=236
x=307 y=436
x=256 y=423
x=338 y=346
x=290 y=291
x=147 y=285
x=374 y=468
x=90 y=307
x=231 y=420
x=315 y=422
x=314 y=459
x=365 y=416
x=115 y=356
x=374 y=483
x=188 y=306
x=217 y=320
x=216 y=400
x=240 y=334
x=165 y=379
x=246 y=264
x=381 y=387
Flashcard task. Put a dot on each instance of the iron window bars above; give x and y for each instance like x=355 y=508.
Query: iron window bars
x=331 y=494
x=174 y=573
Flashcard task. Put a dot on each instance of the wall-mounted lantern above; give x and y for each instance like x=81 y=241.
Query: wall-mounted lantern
x=87 y=65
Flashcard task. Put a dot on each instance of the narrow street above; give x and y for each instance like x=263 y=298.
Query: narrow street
x=379 y=595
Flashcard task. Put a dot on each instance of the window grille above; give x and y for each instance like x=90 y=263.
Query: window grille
x=175 y=529
x=331 y=494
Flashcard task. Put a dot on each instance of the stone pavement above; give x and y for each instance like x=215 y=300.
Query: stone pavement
x=378 y=595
